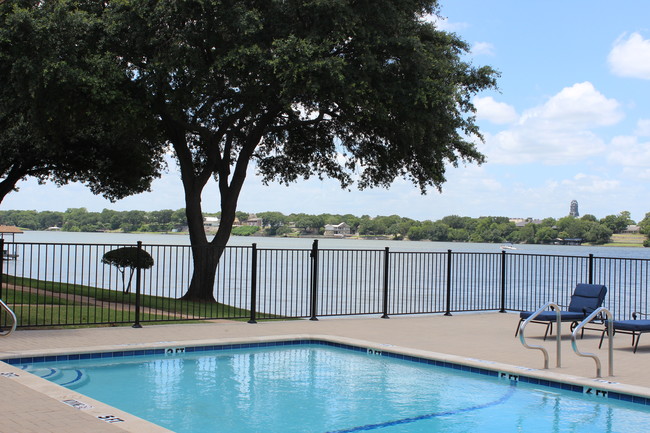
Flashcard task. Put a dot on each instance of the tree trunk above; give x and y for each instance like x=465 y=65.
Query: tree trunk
x=206 y=255
x=206 y=260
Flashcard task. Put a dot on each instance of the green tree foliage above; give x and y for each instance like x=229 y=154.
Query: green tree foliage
x=80 y=220
x=617 y=223
x=597 y=233
x=492 y=229
x=68 y=112
x=245 y=230
x=128 y=257
x=365 y=90
x=548 y=222
x=644 y=226
x=525 y=234
x=428 y=230
x=454 y=221
x=284 y=231
x=545 y=235
x=274 y=220
x=483 y=229
x=586 y=228
x=372 y=227
x=589 y=217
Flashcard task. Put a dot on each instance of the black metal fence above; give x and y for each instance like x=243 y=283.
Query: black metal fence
x=68 y=284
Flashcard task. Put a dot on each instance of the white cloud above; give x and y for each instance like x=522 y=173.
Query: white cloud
x=631 y=57
x=637 y=173
x=629 y=152
x=579 y=106
x=496 y=112
x=590 y=184
x=483 y=48
x=558 y=131
x=643 y=128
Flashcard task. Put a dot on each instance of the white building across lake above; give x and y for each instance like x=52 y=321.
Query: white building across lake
x=337 y=230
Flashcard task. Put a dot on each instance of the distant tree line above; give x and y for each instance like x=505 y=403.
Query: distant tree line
x=644 y=225
x=451 y=228
x=80 y=220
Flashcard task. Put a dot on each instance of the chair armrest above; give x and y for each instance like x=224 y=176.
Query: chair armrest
x=639 y=313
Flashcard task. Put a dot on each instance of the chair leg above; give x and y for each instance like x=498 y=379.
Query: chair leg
x=518 y=325
x=548 y=326
x=638 y=337
x=602 y=336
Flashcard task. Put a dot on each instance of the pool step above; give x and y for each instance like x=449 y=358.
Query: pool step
x=73 y=378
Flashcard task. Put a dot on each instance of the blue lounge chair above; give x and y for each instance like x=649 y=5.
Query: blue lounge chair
x=633 y=327
x=585 y=300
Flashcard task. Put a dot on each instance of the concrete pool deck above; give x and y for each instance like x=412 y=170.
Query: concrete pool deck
x=31 y=404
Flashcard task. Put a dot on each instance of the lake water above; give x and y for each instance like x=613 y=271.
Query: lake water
x=329 y=243
x=350 y=273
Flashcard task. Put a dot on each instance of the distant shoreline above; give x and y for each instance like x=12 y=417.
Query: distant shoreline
x=618 y=240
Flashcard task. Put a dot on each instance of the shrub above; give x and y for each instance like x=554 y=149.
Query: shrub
x=128 y=257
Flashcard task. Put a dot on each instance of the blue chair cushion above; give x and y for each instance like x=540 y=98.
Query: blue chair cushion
x=632 y=325
x=587 y=297
x=550 y=316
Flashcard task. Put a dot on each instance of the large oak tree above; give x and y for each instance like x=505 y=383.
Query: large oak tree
x=67 y=110
x=360 y=91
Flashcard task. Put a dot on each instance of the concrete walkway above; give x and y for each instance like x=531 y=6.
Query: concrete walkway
x=31 y=404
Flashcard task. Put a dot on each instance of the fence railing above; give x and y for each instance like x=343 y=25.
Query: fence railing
x=68 y=284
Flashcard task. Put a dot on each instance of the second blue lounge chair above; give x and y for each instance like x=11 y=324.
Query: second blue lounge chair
x=586 y=298
x=633 y=327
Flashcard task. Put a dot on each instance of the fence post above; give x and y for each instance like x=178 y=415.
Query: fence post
x=503 y=282
x=591 y=269
x=314 y=279
x=2 y=261
x=448 y=312
x=253 y=283
x=386 y=263
x=138 y=274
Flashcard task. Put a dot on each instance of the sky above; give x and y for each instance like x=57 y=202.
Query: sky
x=570 y=120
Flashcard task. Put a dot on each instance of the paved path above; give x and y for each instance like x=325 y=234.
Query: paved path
x=89 y=300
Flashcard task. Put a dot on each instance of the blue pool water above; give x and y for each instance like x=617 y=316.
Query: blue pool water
x=320 y=388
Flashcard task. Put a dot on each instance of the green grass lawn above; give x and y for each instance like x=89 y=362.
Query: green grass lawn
x=56 y=304
x=626 y=240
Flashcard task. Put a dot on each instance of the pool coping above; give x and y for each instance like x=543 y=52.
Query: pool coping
x=596 y=388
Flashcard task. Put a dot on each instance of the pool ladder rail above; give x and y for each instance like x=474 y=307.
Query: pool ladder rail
x=610 y=329
x=13 y=318
x=574 y=336
x=522 y=338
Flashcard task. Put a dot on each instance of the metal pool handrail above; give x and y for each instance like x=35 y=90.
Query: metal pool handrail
x=610 y=331
x=13 y=318
x=558 y=316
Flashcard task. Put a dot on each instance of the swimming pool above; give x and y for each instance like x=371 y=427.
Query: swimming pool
x=315 y=386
